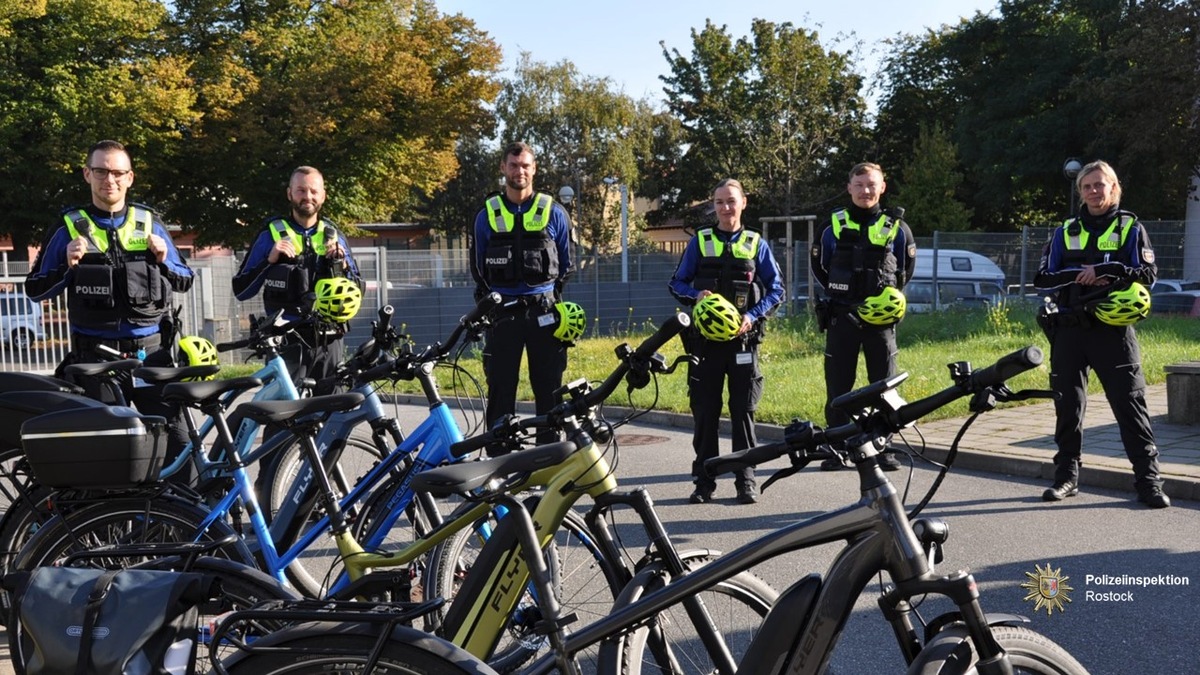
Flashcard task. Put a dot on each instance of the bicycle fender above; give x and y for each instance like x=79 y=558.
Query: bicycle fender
x=947 y=651
x=769 y=650
x=952 y=619
x=650 y=556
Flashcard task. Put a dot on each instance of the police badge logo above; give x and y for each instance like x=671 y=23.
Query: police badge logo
x=1047 y=589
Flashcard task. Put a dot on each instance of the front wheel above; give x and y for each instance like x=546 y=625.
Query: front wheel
x=583 y=578
x=953 y=653
x=671 y=643
x=325 y=649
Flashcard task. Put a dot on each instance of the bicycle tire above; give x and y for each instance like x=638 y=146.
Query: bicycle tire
x=342 y=649
x=584 y=580
x=413 y=524
x=23 y=517
x=273 y=483
x=951 y=652
x=242 y=587
x=737 y=606
x=276 y=476
x=124 y=521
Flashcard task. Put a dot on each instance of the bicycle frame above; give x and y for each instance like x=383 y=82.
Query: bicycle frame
x=880 y=538
x=427 y=446
x=277 y=386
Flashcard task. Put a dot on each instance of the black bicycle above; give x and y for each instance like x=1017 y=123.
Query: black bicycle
x=801 y=630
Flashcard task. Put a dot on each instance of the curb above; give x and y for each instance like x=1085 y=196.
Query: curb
x=1093 y=475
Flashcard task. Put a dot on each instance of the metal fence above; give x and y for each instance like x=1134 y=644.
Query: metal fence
x=430 y=290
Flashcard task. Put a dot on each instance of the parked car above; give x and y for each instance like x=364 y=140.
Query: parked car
x=1180 y=302
x=20 y=320
x=1174 y=286
x=963 y=277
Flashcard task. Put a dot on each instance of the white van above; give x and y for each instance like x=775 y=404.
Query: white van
x=962 y=277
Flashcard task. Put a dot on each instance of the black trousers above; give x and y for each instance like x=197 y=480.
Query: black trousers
x=1113 y=352
x=315 y=354
x=844 y=339
x=148 y=400
x=523 y=329
x=734 y=363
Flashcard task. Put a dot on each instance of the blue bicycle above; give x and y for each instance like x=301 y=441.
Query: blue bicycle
x=428 y=445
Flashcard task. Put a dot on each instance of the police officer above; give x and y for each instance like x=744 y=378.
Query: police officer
x=864 y=258
x=1091 y=265
x=737 y=264
x=286 y=261
x=521 y=250
x=118 y=266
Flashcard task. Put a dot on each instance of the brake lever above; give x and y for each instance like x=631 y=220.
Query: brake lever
x=686 y=358
x=1026 y=394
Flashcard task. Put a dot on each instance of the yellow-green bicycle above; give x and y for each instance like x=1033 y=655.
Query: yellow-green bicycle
x=507 y=596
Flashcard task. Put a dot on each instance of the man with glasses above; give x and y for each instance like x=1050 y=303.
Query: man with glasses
x=118 y=267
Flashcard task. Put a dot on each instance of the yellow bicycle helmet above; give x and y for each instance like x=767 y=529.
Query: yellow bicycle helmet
x=884 y=308
x=338 y=299
x=572 y=321
x=717 y=318
x=1124 y=307
x=197 y=351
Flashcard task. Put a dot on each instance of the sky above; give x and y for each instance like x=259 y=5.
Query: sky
x=619 y=39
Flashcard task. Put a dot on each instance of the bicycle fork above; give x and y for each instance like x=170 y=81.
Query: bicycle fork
x=660 y=543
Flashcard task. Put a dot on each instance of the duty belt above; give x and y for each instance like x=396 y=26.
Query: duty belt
x=86 y=343
x=520 y=302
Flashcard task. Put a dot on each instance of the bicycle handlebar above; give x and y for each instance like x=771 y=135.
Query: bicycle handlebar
x=641 y=357
x=806 y=439
x=435 y=352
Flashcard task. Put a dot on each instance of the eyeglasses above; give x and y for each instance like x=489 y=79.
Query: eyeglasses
x=103 y=174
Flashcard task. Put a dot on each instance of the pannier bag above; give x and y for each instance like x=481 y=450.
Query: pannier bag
x=77 y=621
x=109 y=447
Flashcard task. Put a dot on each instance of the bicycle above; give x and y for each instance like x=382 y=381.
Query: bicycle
x=487 y=603
x=427 y=446
x=802 y=628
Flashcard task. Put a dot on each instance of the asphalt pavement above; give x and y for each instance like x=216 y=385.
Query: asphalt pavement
x=1001 y=530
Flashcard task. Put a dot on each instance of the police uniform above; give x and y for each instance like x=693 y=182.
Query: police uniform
x=118 y=296
x=1117 y=244
x=739 y=266
x=860 y=252
x=313 y=351
x=522 y=251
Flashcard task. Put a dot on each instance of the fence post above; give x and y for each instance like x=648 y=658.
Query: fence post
x=937 y=296
x=1024 y=257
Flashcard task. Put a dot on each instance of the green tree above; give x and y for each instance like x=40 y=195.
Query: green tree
x=1148 y=127
x=776 y=110
x=583 y=129
x=931 y=181
x=1043 y=80
x=218 y=101
x=452 y=210
x=375 y=94
x=72 y=73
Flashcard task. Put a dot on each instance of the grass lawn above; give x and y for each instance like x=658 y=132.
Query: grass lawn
x=792 y=359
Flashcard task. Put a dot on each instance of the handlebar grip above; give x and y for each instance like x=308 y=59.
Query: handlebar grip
x=1008 y=366
x=468 y=445
x=378 y=372
x=230 y=346
x=736 y=461
x=385 y=314
x=485 y=305
x=670 y=328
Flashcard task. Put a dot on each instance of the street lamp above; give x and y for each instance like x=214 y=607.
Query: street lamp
x=624 y=192
x=1071 y=169
x=566 y=195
